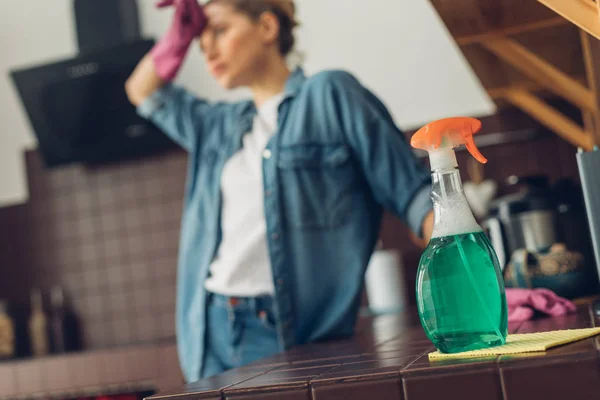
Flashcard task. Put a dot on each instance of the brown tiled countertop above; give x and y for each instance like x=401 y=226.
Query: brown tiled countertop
x=387 y=359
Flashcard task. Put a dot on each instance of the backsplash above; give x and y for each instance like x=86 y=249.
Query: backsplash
x=109 y=235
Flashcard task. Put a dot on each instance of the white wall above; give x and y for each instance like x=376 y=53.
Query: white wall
x=30 y=31
x=399 y=49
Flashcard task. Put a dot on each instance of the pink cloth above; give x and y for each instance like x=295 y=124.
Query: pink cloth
x=188 y=23
x=522 y=303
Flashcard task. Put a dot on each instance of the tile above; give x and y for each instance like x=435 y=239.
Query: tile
x=178 y=394
x=120 y=301
x=83 y=200
x=95 y=334
x=168 y=360
x=165 y=269
x=61 y=178
x=290 y=357
x=146 y=326
x=165 y=294
x=112 y=247
x=211 y=387
x=84 y=370
x=293 y=371
x=134 y=218
x=294 y=394
x=278 y=380
x=401 y=344
x=123 y=331
x=143 y=297
x=582 y=347
x=141 y=271
x=170 y=375
x=132 y=192
x=389 y=367
x=143 y=363
x=389 y=389
x=256 y=387
x=464 y=384
x=29 y=376
x=326 y=362
x=109 y=223
x=8 y=382
x=154 y=187
x=166 y=323
x=116 y=276
x=58 y=375
x=96 y=305
x=400 y=351
x=135 y=244
x=93 y=278
x=422 y=364
x=88 y=251
x=576 y=377
x=113 y=367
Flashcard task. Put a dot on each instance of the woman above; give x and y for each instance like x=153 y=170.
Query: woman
x=285 y=192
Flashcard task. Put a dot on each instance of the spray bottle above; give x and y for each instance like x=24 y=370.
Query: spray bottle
x=460 y=290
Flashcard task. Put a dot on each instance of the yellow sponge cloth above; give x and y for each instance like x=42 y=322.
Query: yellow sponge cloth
x=525 y=343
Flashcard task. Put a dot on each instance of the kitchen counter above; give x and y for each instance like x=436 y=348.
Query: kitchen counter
x=387 y=359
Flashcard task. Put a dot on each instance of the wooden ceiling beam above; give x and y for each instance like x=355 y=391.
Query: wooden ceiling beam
x=583 y=13
x=591 y=56
x=542 y=72
x=466 y=40
x=546 y=115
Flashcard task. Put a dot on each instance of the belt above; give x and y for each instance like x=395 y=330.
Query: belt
x=235 y=302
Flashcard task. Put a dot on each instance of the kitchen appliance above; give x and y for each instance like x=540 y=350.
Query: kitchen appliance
x=79 y=110
x=522 y=220
x=541 y=236
x=106 y=23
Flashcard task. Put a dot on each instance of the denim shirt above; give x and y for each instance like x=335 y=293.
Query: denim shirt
x=336 y=161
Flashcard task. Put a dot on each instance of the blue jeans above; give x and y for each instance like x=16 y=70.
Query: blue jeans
x=239 y=331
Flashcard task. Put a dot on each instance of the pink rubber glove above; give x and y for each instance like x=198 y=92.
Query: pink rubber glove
x=522 y=303
x=188 y=23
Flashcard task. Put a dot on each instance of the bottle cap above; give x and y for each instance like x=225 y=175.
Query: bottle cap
x=440 y=137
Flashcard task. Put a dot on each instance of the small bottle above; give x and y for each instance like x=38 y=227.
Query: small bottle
x=7 y=333
x=63 y=323
x=38 y=326
x=460 y=291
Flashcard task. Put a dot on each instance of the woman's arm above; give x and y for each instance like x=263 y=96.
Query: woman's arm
x=396 y=177
x=181 y=115
x=163 y=62
x=143 y=81
x=426 y=232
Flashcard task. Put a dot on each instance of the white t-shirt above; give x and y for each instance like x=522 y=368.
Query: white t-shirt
x=242 y=267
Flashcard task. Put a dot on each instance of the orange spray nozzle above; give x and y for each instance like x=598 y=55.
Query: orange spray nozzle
x=449 y=133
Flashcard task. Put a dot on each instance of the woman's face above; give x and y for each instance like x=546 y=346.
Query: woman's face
x=234 y=46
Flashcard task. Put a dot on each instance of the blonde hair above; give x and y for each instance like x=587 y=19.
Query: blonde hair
x=284 y=10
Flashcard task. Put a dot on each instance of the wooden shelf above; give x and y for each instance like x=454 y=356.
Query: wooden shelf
x=583 y=13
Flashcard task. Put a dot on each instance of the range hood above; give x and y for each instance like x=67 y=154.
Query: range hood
x=78 y=108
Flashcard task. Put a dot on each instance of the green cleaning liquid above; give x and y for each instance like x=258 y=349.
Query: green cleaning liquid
x=460 y=294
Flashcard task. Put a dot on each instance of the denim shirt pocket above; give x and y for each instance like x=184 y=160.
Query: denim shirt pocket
x=316 y=185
